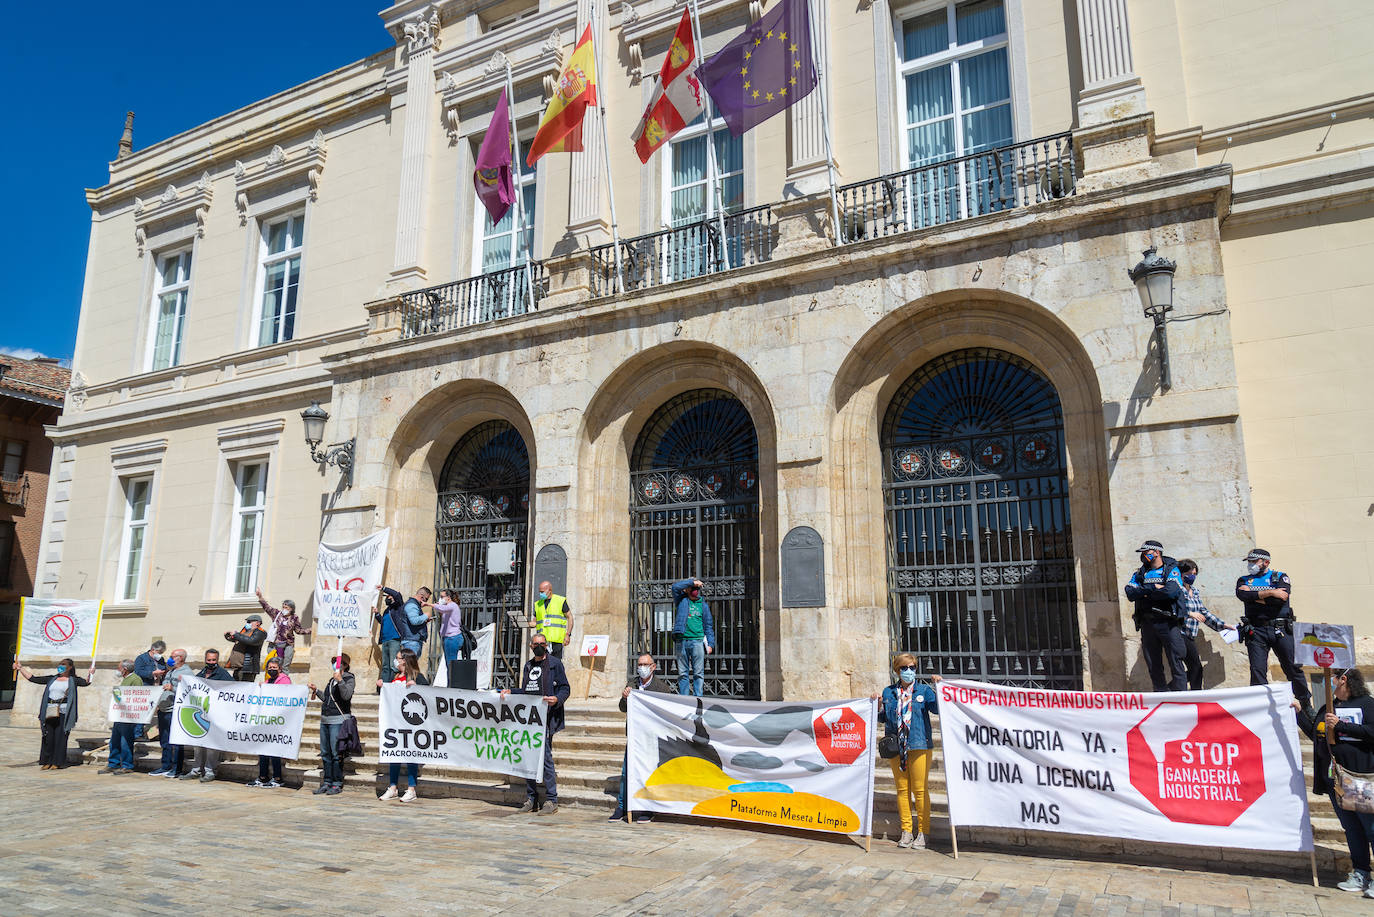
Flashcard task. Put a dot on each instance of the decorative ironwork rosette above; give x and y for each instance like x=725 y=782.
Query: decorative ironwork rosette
x=683 y=486
x=652 y=489
x=478 y=505
x=990 y=454
x=454 y=507
x=713 y=483
x=502 y=504
x=746 y=479
x=1037 y=450
x=911 y=463
x=949 y=460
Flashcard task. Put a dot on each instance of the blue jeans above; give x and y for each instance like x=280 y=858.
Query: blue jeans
x=122 y=745
x=452 y=646
x=550 y=776
x=412 y=773
x=691 y=661
x=329 y=754
x=415 y=646
x=624 y=770
x=389 y=650
x=164 y=738
x=1359 y=833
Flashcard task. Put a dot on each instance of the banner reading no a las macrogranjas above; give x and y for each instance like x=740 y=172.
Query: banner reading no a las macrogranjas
x=346 y=580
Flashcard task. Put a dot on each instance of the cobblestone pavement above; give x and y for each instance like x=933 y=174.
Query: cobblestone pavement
x=79 y=842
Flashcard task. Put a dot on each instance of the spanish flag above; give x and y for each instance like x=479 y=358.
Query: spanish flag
x=560 y=130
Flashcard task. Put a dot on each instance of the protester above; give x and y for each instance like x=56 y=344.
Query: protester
x=171 y=754
x=645 y=679
x=245 y=657
x=410 y=675
x=57 y=709
x=388 y=637
x=410 y=617
x=451 y=628
x=150 y=668
x=273 y=676
x=906 y=707
x=544 y=676
x=285 y=627
x=552 y=618
x=205 y=760
x=1197 y=615
x=336 y=705
x=121 y=754
x=1267 y=623
x=695 y=635
x=1157 y=591
x=1344 y=730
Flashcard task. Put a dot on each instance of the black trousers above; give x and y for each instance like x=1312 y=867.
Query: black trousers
x=54 y=747
x=1266 y=637
x=1192 y=662
x=1165 y=651
x=556 y=649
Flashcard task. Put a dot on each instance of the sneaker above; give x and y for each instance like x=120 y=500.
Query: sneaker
x=274 y=783
x=160 y=772
x=920 y=842
x=172 y=775
x=389 y=794
x=334 y=790
x=321 y=789
x=526 y=808
x=617 y=815
x=1369 y=892
x=410 y=795
x=550 y=808
x=191 y=775
x=906 y=839
x=1357 y=881
x=259 y=783
x=106 y=770
x=208 y=778
x=643 y=817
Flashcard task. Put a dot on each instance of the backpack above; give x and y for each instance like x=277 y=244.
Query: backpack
x=469 y=642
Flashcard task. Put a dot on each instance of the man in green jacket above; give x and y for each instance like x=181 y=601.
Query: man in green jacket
x=121 y=759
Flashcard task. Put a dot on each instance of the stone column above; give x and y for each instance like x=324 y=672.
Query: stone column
x=422 y=40
x=1111 y=89
x=807 y=157
x=588 y=213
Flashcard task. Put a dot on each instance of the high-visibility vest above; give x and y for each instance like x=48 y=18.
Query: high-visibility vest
x=550 y=620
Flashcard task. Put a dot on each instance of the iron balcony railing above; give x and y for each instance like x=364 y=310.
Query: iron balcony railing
x=485 y=298
x=684 y=252
x=956 y=189
x=14 y=490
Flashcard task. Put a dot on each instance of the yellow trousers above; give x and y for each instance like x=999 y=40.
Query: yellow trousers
x=912 y=782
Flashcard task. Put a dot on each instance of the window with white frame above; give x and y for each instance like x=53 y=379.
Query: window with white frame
x=690 y=198
x=280 y=272
x=171 y=290
x=138 y=493
x=501 y=244
x=250 y=509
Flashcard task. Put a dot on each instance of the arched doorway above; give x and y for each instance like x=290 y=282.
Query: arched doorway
x=484 y=497
x=694 y=511
x=980 y=549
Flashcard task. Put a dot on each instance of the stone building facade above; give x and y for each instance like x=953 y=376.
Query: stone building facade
x=937 y=422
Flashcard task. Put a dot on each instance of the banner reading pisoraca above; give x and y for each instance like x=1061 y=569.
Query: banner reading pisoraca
x=58 y=627
x=346 y=580
x=239 y=716
x=474 y=730
x=802 y=765
x=1212 y=768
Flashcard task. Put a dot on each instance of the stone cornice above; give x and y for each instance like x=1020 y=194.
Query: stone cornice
x=172 y=204
x=472 y=77
x=642 y=20
x=305 y=162
x=1214 y=139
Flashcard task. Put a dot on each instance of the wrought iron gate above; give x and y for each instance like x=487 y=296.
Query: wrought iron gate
x=484 y=497
x=694 y=512
x=980 y=547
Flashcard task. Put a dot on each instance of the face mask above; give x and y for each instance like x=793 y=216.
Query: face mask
x=644 y=672
x=1189 y=578
x=1147 y=558
x=539 y=650
x=157 y=656
x=1253 y=568
x=211 y=666
x=61 y=669
x=907 y=675
x=544 y=596
x=272 y=675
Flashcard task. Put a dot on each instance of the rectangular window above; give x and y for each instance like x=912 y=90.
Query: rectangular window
x=502 y=246
x=955 y=87
x=171 y=291
x=250 y=506
x=12 y=460
x=138 y=494
x=280 y=270
x=691 y=199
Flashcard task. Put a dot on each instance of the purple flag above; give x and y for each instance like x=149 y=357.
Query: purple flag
x=492 y=178
x=764 y=69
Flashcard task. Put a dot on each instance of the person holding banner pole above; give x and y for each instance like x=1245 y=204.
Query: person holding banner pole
x=410 y=675
x=273 y=676
x=336 y=705
x=906 y=707
x=120 y=760
x=57 y=709
x=646 y=679
x=544 y=676
x=1343 y=731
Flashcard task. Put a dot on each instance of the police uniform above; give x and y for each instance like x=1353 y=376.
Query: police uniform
x=1159 y=616
x=1270 y=627
x=551 y=620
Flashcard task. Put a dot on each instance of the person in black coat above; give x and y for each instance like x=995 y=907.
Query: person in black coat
x=645 y=679
x=57 y=709
x=1344 y=730
x=244 y=658
x=544 y=676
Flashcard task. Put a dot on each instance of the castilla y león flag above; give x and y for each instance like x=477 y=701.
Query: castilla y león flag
x=677 y=98
x=560 y=130
x=764 y=69
x=492 y=177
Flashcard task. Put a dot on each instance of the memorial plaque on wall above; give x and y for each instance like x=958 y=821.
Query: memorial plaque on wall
x=551 y=563
x=803 y=568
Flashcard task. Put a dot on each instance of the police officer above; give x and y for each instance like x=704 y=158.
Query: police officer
x=1267 y=623
x=552 y=618
x=1157 y=591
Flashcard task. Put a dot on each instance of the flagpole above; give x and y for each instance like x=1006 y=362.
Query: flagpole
x=821 y=85
x=711 y=163
x=519 y=183
x=605 y=145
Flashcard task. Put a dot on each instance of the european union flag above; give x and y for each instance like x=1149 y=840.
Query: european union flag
x=764 y=69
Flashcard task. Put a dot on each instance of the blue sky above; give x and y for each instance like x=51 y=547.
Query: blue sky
x=74 y=69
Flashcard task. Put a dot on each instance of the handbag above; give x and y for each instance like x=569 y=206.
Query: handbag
x=1355 y=792
x=52 y=711
x=889 y=747
x=349 y=744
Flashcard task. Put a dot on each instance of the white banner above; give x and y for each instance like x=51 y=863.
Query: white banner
x=801 y=765
x=240 y=716
x=1211 y=768
x=595 y=644
x=346 y=581
x=486 y=638
x=1325 y=645
x=474 y=730
x=134 y=704
x=58 y=627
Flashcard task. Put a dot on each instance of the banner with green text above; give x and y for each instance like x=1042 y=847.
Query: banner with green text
x=473 y=730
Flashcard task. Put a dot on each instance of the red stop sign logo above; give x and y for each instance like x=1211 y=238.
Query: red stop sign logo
x=1325 y=658
x=840 y=735
x=1196 y=763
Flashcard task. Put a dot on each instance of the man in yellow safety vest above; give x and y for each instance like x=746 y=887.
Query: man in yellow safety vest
x=552 y=618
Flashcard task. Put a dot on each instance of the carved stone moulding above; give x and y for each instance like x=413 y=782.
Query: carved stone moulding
x=544 y=64
x=170 y=205
x=302 y=164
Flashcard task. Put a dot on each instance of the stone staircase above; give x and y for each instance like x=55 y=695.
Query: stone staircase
x=589 y=752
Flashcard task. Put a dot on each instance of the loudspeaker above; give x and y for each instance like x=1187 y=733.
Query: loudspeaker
x=462 y=673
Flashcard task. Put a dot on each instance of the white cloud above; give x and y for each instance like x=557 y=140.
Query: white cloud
x=28 y=353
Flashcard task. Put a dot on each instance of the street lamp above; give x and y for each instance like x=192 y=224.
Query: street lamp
x=1154 y=281
x=340 y=455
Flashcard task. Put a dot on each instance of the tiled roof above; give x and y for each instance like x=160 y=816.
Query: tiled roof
x=34 y=379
